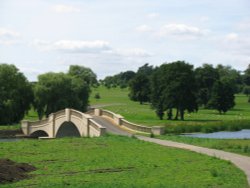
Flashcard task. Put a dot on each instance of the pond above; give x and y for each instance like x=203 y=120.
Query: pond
x=9 y=139
x=243 y=134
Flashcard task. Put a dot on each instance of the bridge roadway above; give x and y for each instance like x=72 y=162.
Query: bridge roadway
x=110 y=127
x=242 y=162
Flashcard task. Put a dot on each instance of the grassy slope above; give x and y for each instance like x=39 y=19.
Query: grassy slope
x=79 y=162
x=143 y=114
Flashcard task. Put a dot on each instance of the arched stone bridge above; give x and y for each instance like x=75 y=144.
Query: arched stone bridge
x=66 y=122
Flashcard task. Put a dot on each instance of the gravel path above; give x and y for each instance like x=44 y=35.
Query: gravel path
x=242 y=162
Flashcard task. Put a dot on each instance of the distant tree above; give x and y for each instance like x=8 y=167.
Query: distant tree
x=83 y=73
x=146 y=69
x=230 y=75
x=205 y=77
x=246 y=90
x=174 y=86
x=97 y=96
x=140 y=88
x=246 y=76
x=56 y=91
x=122 y=79
x=15 y=94
x=222 y=97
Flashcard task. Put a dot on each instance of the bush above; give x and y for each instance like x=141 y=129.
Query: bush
x=97 y=96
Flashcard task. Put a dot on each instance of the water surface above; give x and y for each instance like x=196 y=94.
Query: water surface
x=243 y=134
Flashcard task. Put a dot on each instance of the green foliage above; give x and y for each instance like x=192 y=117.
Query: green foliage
x=15 y=94
x=122 y=79
x=246 y=76
x=84 y=73
x=205 y=77
x=246 y=90
x=222 y=97
x=97 y=96
x=140 y=87
x=115 y=161
x=56 y=91
x=173 y=86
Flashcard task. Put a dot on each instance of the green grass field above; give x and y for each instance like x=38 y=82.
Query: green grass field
x=143 y=114
x=115 y=161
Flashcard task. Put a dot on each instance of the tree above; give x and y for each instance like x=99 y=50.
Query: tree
x=84 y=73
x=246 y=90
x=140 y=88
x=56 y=91
x=222 y=97
x=15 y=94
x=205 y=77
x=173 y=86
x=230 y=75
x=122 y=79
x=246 y=76
x=140 y=85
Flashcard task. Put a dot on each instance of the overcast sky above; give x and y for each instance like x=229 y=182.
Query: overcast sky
x=111 y=36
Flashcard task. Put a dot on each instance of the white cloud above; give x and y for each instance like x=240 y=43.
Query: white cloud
x=7 y=33
x=9 y=37
x=143 y=28
x=75 y=46
x=65 y=9
x=153 y=15
x=236 y=44
x=232 y=37
x=132 y=52
x=181 y=30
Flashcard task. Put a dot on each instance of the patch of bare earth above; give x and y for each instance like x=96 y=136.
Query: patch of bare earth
x=11 y=171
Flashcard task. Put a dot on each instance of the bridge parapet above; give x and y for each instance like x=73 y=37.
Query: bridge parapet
x=52 y=125
x=119 y=120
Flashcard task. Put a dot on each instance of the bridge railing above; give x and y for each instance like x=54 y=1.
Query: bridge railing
x=119 y=120
x=97 y=126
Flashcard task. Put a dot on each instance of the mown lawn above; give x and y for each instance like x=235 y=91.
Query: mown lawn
x=240 y=146
x=115 y=161
x=118 y=102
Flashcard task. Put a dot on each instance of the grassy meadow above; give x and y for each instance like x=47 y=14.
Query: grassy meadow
x=116 y=161
x=117 y=100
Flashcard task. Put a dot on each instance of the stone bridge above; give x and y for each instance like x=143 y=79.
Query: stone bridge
x=63 y=123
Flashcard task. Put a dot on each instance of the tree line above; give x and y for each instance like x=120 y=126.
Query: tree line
x=178 y=87
x=52 y=92
x=172 y=87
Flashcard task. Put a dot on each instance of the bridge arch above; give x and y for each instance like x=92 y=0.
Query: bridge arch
x=67 y=129
x=39 y=133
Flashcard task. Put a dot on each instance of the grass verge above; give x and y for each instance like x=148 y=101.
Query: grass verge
x=115 y=161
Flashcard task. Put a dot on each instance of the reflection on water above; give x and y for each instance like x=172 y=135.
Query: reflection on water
x=243 y=134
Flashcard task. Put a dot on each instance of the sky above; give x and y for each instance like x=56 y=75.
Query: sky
x=113 y=36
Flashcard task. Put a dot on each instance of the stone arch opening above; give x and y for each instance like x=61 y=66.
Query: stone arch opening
x=39 y=133
x=68 y=129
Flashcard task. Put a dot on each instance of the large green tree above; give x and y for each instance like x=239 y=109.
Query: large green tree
x=174 y=86
x=15 y=94
x=56 y=91
x=140 y=86
x=205 y=76
x=222 y=97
